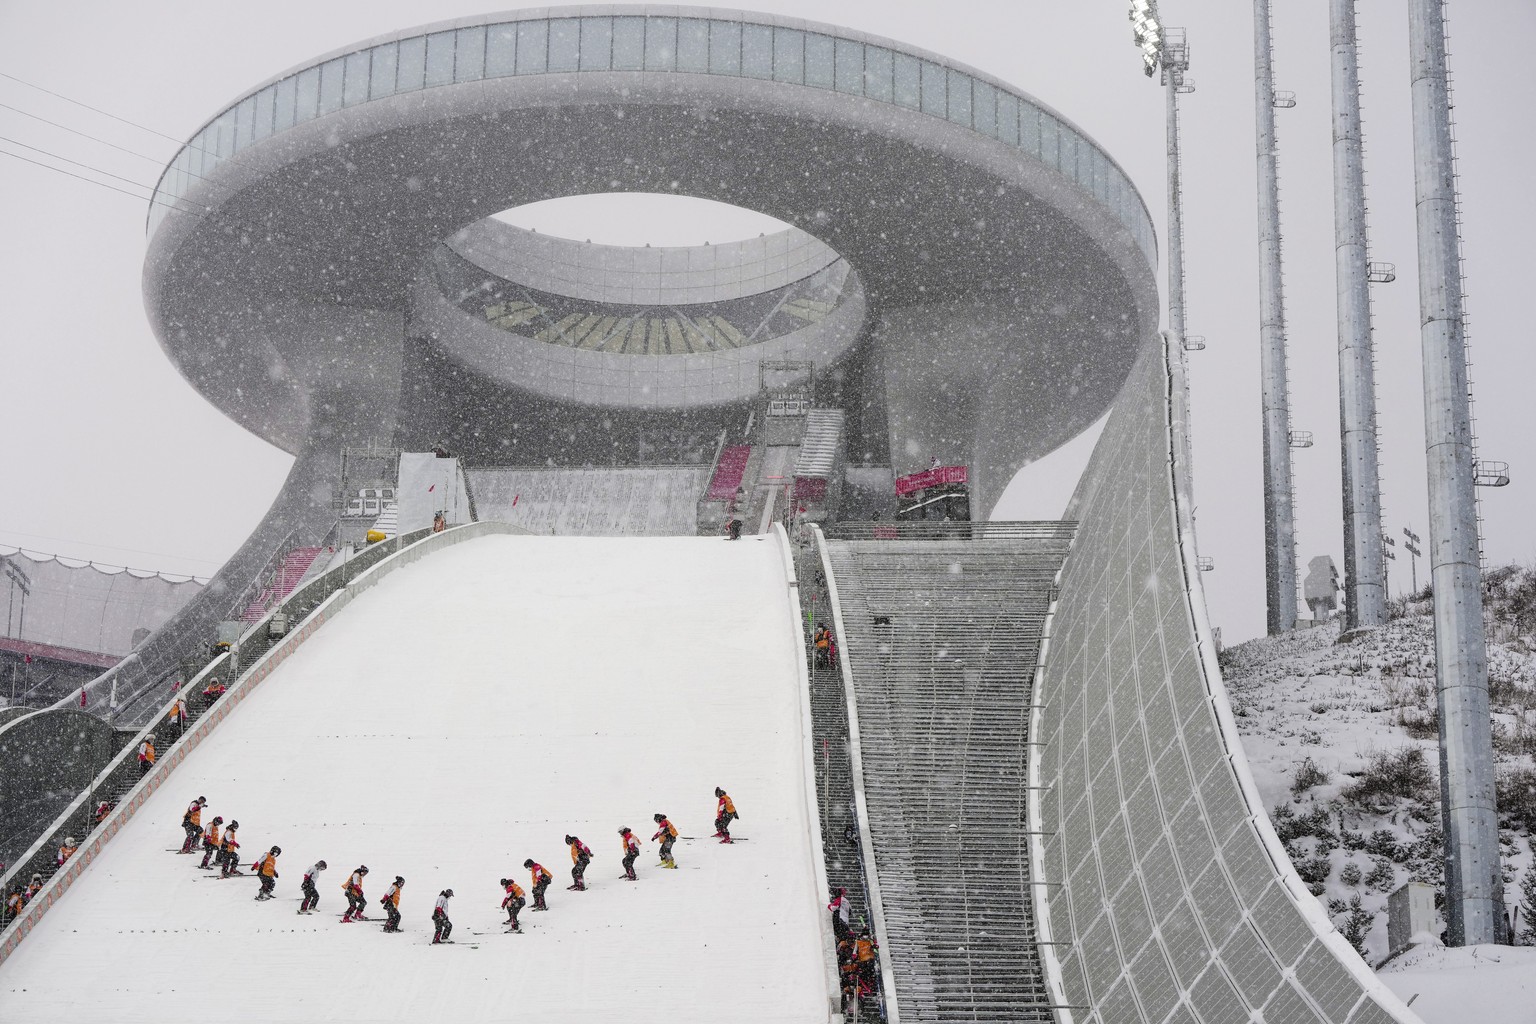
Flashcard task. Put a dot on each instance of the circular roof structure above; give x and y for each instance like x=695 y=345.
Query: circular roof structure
x=315 y=222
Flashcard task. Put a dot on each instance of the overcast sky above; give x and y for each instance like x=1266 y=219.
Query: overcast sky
x=108 y=454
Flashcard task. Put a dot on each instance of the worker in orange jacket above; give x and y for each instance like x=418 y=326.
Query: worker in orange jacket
x=631 y=851
x=212 y=845
x=266 y=870
x=146 y=755
x=232 y=851
x=391 y=905
x=725 y=813
x=864 y=949
x=353 y=887
x=581 y=856
x=667 y=833
x=192 y=823
x=512 y=902
x=541 y=880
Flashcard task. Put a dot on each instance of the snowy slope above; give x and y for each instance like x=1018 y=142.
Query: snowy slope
x=465 y=714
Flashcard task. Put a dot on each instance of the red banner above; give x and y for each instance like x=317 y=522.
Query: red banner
x=905 y=485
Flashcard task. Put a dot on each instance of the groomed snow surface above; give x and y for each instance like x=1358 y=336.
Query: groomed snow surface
x=463 y=715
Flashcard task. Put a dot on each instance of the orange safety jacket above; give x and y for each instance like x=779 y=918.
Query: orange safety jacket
x=631 y=844
x=147 y=752
x=354 y=883
x=726 y=807
x=392 y=897
x=540 y=874
x=195 y=814
x=666 y=829
x=231 y=844
x=514 y=892
x=577 y=849
x=66 y=852
x=864 y=950
x=15 y=903
x=268 y=868
x=211 y=837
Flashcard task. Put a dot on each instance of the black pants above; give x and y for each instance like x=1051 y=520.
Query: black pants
x=229 y=864
x=629 y=865
x=144 y=767
x=268 y=883
x=356 y=904
x=579 y=870
x=393 y=913
x=311 y=898
x=443 y=927
x=211 y=852
x=538 y=895
x=666 y=848
x=512 y=908
x=840 y=929
x=723 y=825
x=193 y=831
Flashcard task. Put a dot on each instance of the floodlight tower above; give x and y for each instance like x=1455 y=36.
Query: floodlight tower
x=1474 y=890
x=1175 y=62
x=1365 y=600
x=1279 y=516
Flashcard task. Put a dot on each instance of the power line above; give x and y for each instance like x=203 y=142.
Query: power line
x=87 y=106
x=83 y=135
x=77 y=163
x=81 y=177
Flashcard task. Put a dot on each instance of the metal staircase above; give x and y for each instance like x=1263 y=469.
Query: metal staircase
x=942 y=638
x=818 y=450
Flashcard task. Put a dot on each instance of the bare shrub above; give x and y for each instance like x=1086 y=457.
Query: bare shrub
x=1402 y=774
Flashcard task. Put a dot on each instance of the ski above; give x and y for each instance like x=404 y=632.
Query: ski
x=734 y=839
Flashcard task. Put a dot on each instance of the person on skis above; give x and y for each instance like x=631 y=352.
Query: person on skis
x=266 y=870
x=841 y=913
x=725 y=813
x=311 y=898
x=391 y=905
x=541 y=880
x=512 y=902
x=192 y=823
x=146 y=755
x=667 y=833
x=231 y=847
x=212 y=844
x=581 y=856
x=353 y=887
x=442 y=927
x=631 y=851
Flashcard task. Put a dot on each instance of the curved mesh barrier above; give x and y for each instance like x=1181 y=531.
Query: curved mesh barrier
x=1172 y=899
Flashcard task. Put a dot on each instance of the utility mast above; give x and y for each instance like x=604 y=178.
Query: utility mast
x=1279 y=516
x=1365 y=599
x=1474 y=888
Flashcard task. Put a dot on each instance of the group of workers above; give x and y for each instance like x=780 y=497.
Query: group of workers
x=856 y=952
x=222 y=848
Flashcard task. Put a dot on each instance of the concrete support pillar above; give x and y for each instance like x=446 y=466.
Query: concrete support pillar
x=1365 y=599
x=1279 y=518
x=1474 y=896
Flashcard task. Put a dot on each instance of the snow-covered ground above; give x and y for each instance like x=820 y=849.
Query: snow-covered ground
x=463 y=715
x=1483 y=984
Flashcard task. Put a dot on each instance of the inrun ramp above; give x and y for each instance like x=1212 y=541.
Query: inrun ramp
x=941 y=638
x=647 y=501
x=464 y=714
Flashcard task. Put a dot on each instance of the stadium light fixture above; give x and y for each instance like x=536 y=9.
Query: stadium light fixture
x=1147 y=30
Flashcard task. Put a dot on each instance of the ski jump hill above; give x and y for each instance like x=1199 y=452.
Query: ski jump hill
x=462 y=715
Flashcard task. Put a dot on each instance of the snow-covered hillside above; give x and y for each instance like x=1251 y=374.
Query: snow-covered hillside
x=465 y=714
x=1342 y=740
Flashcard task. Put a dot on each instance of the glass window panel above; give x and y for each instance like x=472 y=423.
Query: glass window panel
x=1049 y=130
x=850 y=66
x=439 y=58
x=532 y=47
x=355 y=87
x=934 y=80
x=225 y=126
x=661 y=44
x=725 y=48
x=908 y=80
x=789 y=55
x=1029 y=129
x=757 y=51
x=501 y=50
x=469 y=54
x=564 y=44
x=381 y=72
x=330 y=85
x=413 y=64
x=1008 y=118
x=308 y=94
x=984 y=111
x=693 y=45
x=628 y=44
x=244 y=116
x=283 y=106
x=263 y=124
x=819 y=64
x=195 y=155
x=960 y=98
x=596 y=44
x=1069 y=161
x=878 y=69
x=1100 y=175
